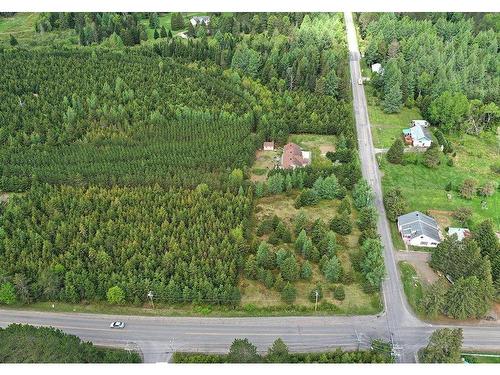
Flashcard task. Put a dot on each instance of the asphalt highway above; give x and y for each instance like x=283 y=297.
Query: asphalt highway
x=158 y=337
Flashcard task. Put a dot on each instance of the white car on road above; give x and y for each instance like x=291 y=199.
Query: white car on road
x=117 y=325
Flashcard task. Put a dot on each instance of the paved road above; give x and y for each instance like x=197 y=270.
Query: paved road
x=158 y=337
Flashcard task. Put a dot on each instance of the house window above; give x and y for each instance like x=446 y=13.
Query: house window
x=433 y=243
x=423 y=243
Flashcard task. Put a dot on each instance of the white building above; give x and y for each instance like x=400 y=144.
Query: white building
x=418 y=229
x=422 y=123
x=268 y=146
x=200 y=21
x=377 y=68
x=461 y=233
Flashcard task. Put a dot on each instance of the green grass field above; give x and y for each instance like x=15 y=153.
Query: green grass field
x=387 y=127
x=22 y=27
x=424 y=188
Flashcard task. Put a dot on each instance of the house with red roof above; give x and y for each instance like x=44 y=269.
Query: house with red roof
x=294 y=157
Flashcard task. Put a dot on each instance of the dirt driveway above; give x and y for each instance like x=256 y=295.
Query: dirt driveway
x=419 y=260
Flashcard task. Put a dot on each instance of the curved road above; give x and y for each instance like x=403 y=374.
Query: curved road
x=158 y=337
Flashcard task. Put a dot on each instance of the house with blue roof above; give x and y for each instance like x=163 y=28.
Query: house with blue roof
x=417 y=136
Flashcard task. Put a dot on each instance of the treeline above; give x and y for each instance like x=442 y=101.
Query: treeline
x=27 y=344
x=93 y=28
x=243 y=351
x=445 y=65
x=73 y=244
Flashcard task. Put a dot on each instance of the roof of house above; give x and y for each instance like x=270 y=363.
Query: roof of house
x=460 y=232
x=292 y=156
x=201 y=19
x=269 y=144
x=415 y=224
x=418 y=133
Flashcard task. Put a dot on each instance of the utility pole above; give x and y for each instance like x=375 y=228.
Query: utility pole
x=150 y=295
x=316 y=303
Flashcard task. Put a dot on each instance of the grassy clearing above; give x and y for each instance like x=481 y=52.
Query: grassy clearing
x=264 y=162
x=17 y=24
x=282 y=205
x=424 y=188
x=22 y=26
x=411 y=285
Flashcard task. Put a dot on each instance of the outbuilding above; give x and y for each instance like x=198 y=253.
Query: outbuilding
x=268 y=146
x=461 y=233
x=377 y=68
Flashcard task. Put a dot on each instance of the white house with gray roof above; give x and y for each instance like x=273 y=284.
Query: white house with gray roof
x=418 y=229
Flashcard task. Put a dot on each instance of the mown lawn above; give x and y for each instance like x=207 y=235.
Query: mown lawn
x=387 y=127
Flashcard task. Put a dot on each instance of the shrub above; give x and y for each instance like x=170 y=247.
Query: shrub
x=243 y=351
x=395 y=153
x=431 y=157
x=341 y=224
x=332 y=269
x=450 y=163
x=468 y=188
x=339 y=293
x=307 y=197
x=289 y=293
x=115 y=295
x=463 y=215
x=7 y=294
x=306 y=271
x=488 y=189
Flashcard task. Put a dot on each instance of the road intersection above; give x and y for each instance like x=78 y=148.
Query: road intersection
x=158 y=337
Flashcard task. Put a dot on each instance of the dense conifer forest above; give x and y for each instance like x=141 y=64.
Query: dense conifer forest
x=72 y=244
